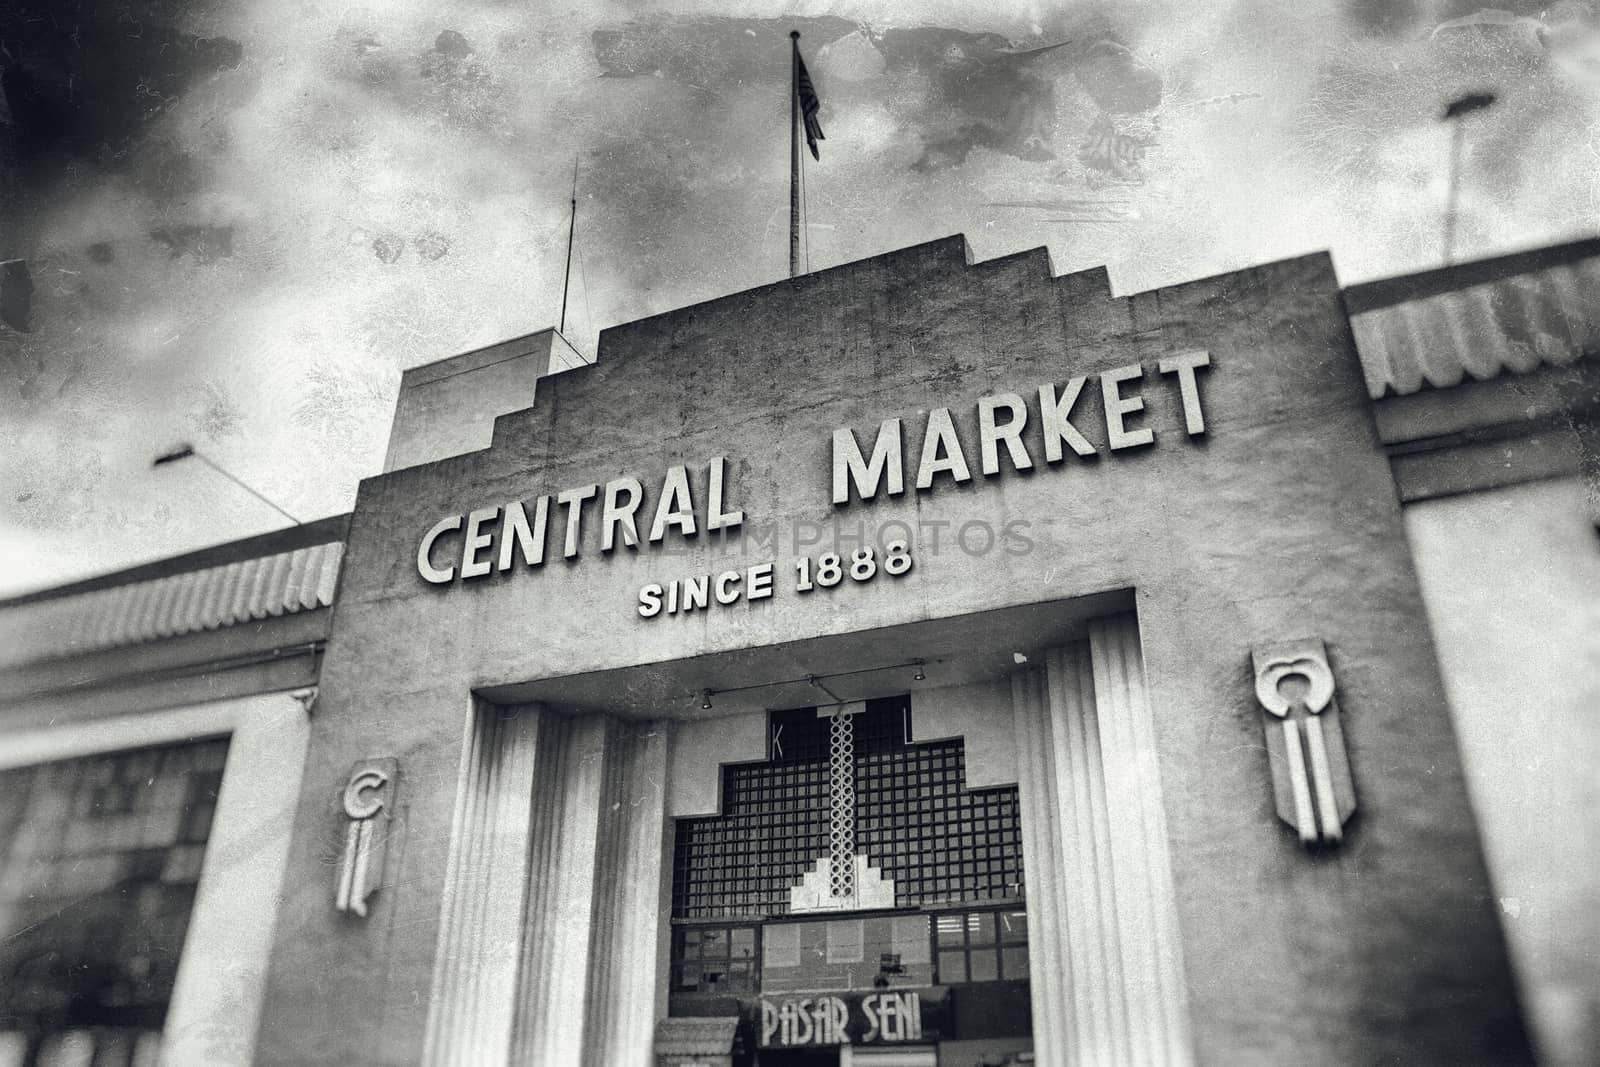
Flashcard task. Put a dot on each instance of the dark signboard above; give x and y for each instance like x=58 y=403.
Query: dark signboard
x=821 y=1019
x=881 y=1017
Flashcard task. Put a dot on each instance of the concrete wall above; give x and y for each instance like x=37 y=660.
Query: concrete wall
x=217 y=995
x=448 y=407
x=981 y=716
x=699 y=751
x=1512 y=583
x=1280 y=522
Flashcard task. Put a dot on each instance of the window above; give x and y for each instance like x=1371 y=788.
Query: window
x=861 y=952
x=940 y=842
x=981 y=946
x=844 y=940
x=99 y=859
x=714 y=959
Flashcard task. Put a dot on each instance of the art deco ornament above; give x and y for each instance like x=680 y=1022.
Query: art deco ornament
x=1305 y=743
x=844 y=879
x=368 y=796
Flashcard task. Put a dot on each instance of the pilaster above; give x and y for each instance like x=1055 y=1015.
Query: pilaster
x=1105 y=961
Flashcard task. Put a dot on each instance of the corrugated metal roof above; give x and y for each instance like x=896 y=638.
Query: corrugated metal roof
x=208 y=598
x=1479 y=320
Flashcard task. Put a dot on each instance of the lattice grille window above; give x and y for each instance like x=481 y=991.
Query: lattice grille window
x=939 y=842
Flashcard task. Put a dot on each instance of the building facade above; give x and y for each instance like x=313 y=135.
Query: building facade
x=153 y=727
x=921 y=662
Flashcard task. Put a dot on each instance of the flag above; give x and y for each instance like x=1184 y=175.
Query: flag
x=809 y=105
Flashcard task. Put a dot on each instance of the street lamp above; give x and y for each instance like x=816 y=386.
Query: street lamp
x=1454 y=112
x=186 y=450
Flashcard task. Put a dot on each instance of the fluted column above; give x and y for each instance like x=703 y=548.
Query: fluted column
x=551 y=935
x=1044 y=869
x=558 y=927
x=470 y=1011
x=629 y=904
x=1105 y=963
x=1147 y=907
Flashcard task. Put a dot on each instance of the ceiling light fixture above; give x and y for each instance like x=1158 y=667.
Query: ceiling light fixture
x=816 y=681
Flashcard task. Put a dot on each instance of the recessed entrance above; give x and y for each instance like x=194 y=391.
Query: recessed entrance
x=853 y=893
x=848 y=882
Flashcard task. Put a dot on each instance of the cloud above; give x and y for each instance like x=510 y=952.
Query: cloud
x=251 y=247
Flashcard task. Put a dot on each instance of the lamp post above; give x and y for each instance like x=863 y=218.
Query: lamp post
x=1453 y=113
x=185 y=451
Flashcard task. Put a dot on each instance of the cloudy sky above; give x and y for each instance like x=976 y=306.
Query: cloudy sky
x=235 y=222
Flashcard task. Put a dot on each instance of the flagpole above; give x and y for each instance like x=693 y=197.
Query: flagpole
x=794 y=153
x=1450 y=196
x=1453 y=114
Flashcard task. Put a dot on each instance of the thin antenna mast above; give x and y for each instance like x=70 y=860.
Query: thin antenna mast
x=572 y=228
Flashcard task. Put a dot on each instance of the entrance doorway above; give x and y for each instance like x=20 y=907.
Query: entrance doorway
x=928 y=939
x=790 y=1057
x=850 y=1056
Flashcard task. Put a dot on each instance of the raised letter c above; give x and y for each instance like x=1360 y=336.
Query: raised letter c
x=425 y=566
